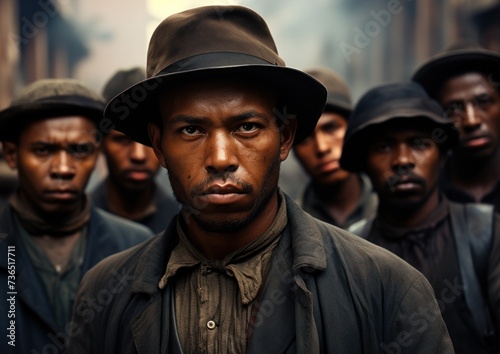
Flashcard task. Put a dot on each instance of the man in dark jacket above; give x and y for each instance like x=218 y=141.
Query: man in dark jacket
x=333 y=194
x=465 y=80
x=400 y=137
x=130 y=190
x=50 y=235
x=241 y=268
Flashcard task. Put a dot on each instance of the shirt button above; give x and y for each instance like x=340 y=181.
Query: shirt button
x=210 y=324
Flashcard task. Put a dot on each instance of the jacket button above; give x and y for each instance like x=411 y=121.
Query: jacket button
x=210 y=324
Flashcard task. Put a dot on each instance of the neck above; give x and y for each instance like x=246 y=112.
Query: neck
x=410 y=216
x=126 y=203
x=475 y=176
x=217 y=245
x=340 y=198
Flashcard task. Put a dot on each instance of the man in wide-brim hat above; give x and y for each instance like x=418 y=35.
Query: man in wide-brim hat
x=465 y=80
x=241 y=268
x=50 y=235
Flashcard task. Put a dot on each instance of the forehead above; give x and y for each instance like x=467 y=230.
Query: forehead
x=466 y=85
x=59 y=129
x=400 y=131
x=215 y=94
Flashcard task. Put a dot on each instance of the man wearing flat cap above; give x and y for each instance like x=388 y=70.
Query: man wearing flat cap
x=465 y=80
x=130 y=189
x=242 y=269
x=49 y=234
x=333 y=194
x=399 y=137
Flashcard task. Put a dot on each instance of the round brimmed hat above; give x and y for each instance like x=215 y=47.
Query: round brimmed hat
x=49 y=98
x=402 y=104
x=215 y=42
x=338 y=97
x=459 y=58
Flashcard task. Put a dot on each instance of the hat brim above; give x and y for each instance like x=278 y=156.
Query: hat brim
x=303 y=96
x=434 y=71
x=356 y=145
x=15 y=117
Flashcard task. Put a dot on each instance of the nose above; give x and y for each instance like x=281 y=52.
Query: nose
x=138 y=153
x=322 y=144
x=404 y=161
x=62 y=166
x=471 y=119
x=222 y=154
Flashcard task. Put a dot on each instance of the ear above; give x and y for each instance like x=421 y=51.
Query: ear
x=155 y=137
x=10 y=154
x=287 y=136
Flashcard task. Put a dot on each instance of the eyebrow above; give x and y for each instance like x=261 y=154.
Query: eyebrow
x=194 y=120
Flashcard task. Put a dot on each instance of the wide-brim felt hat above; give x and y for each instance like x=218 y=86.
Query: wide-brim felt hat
x=338 y=97
x=459 y=58
x=49 y=98
x=215 y=42
x=401 y=105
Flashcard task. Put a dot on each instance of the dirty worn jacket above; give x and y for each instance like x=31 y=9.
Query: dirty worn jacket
x=35 y=329
x=327 y=291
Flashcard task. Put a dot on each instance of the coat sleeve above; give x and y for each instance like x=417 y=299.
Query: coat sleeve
x=418 y=326
x=494 y=275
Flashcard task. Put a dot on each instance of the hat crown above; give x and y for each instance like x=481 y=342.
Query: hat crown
x=207 y=30
x=338 y=94
x=44 y=89
x=122 y=80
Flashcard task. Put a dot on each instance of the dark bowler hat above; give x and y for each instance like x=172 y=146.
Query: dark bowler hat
x=49 y=98
x=220 y=42
x=121 y=80
x=460 y=58
x=404 y=104
x=338 y=97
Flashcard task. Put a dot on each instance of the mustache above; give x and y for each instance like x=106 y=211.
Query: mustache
x=223 y=178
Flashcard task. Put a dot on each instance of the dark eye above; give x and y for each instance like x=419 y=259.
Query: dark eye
x=381 y=147
x=421 y=143
x=81 y=151
x=190 y=130
x=455 y=109
x=42 y=150
x=248 y=127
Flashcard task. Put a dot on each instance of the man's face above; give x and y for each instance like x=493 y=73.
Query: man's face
x=474 y=104
x=320 y=153
x=132 y=166
x=403 y=165
x=222 y=148
x=54 y=158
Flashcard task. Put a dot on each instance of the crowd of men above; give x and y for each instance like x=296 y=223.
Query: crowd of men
x=393 y=246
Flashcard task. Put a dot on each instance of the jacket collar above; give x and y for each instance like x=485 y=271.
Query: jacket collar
x=309 y=252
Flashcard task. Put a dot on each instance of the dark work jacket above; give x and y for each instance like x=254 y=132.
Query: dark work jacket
x=166 y=207
x=327 y=291
x=35 y=327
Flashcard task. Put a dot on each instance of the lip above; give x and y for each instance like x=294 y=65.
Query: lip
x=405 y=184
x=61 y=194
x=138 y=174
x=475 y=141
x=329 y=166
x=222 y=194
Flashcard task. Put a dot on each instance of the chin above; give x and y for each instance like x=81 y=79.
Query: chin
x=225 y=225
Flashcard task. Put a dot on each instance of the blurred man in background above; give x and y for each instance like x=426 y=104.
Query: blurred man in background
x=130 y=190
x=465 y=80
x=333 y=194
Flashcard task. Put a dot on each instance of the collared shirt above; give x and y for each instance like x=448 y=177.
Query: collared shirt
x=367 y=204
x=458 y=195
x=60 y=284
x=430 y=248
x=214 y=298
